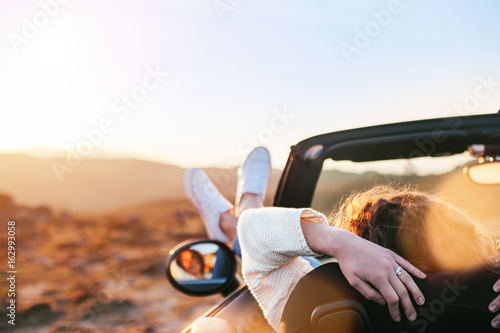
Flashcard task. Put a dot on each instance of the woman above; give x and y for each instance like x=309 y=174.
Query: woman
x=428 y=232
x=191 y=261
x=434 y=236
x=273 y=239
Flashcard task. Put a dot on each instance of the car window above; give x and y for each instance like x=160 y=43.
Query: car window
x=443 y=176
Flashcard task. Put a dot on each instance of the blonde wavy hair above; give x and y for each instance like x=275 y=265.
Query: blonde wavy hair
x=427 y=231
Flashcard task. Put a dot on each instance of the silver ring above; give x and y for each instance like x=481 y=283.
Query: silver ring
x=399 y=271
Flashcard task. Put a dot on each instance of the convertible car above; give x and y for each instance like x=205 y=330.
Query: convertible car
x=456 y=157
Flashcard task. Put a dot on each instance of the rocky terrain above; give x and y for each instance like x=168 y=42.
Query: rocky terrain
x=98 y=273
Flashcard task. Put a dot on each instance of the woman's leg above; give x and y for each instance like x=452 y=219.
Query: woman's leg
x=228 y=223
x=210 y=203
x=253 y=177
x=250 y=200
x=216 y=212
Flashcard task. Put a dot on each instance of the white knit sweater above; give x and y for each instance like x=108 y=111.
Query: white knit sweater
x=272 y=242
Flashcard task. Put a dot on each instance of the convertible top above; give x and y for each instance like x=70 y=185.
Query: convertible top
x=431 y=137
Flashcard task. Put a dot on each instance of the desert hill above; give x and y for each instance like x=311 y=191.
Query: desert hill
x=100 y=185
x=94 y=186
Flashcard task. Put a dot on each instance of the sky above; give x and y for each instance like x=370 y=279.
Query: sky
x=199 y=83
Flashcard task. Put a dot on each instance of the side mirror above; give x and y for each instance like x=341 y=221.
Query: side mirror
x=201 y=268
x=484 y=173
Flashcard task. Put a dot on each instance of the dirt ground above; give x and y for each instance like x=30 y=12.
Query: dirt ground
x=98 y=273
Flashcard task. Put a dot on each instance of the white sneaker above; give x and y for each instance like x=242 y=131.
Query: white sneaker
x=209 y=202
x=254 y=175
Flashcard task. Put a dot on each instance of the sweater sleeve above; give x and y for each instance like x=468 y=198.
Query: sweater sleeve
x=272 y=242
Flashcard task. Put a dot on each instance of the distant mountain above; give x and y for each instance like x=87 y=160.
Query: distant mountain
x=95 y=185
x=100 y=185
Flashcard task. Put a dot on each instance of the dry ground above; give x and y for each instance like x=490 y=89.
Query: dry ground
x=99 y=273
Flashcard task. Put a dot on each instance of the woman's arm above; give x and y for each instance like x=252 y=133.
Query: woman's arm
x=272 y=239
x=272 y=242
x=368 y=267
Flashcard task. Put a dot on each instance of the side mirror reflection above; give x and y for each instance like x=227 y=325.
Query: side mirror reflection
x=202 y=268
x=486 y=173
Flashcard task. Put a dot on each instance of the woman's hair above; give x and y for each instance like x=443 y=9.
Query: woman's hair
x=195 y=254
x=427 y=231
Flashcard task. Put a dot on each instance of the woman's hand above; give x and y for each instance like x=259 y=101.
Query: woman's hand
x=369 y=268
x=495 y=305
